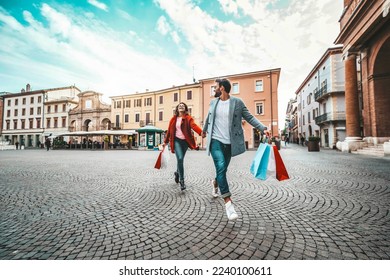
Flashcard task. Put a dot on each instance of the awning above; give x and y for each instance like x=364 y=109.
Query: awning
x=98 y=133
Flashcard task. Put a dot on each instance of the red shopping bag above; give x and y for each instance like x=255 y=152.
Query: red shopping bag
x=281 y=172
x=158 y=161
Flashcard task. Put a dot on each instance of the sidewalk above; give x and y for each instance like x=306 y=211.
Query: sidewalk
x=92 y=205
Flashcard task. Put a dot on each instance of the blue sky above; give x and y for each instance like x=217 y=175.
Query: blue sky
x=121 y=47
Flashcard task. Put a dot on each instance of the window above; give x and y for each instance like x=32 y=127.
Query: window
x=31 y=111
x=38 y=123
x=32 y=100
x=16 y=102
x=56 y=108
x=23 y=112
x=47 y=123
x=128 y=103
x=23 y=124
x=303 y=120
x=126 y=118
x=55 y=122
x=175 y=97
x=119 y=104
x=39 y=110
x=16 y=113
x=9 y=102
x=308 y=117
x=8 y=126
x=63 y=121
x=309 y=99
x=236 y=88
x=48 y=109
x=260 y=108
x=136 y=117
x=31 y=123
x=190 y=111
x=161 y=99
x=88 y=104
x=259 y=85
x=137 y=102
x=324 y=108
x=189 y=94
x=39 y=99
x=303 y=104
x=147 y=118
x=314 y=114
x=24 y=101
x=212 y=90
x=63 y=107
x=15 y=124
x=148 y=101
x=8 y=113
x=160 y=115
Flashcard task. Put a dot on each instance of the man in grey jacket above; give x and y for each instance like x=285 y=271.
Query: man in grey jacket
x=226 y=137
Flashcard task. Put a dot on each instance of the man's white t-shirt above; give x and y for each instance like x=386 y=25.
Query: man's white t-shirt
x=221 y=122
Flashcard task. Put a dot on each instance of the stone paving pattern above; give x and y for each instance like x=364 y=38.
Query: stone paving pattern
x=89 y=205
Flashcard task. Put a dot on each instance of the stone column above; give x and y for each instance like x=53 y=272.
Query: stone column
x=353 y=141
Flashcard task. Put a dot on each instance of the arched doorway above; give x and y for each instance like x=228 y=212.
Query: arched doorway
x=86 y=125
x=381 y=91
x=106 y=124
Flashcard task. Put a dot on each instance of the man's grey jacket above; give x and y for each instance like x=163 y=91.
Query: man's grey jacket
x=237 y=112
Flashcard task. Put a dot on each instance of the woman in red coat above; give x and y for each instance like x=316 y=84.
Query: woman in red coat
x=180 y=136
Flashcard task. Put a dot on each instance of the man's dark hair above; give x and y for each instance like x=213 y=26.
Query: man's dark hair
x=226 y=84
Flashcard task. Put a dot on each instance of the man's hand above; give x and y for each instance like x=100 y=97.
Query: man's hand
x=203 y=134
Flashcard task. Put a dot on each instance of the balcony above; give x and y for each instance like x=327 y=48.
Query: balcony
x=116 y=126
x=330 y=117
x=321 y=93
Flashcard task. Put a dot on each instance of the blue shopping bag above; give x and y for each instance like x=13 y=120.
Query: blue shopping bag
x=260 y=162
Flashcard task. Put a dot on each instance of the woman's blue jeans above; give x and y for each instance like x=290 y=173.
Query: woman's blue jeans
x=181 y=148
x=221 y=154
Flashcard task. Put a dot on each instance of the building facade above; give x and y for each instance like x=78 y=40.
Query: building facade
x=29 y=117
x=90 y=114
x=155 y=108
x=259 y=91
x=365 y=35
x=321 y=103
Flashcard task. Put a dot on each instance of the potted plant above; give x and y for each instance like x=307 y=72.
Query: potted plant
x=313 y=145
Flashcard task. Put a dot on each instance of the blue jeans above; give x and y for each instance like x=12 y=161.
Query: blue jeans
x=221 y=154
x=181 y=148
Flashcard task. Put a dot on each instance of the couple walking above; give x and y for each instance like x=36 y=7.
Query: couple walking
x=225 y=139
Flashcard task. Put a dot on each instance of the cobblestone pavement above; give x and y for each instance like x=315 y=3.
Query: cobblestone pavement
x=115 y=205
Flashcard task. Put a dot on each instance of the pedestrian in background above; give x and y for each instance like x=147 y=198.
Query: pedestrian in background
x=180 y=137
x=225 y=138
x=47 y=143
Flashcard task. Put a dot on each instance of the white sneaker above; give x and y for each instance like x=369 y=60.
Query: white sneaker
x=230 y=212
x=215 y=188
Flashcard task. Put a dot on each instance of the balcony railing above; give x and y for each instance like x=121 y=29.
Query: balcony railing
x=321 y=92
x=116 y=126
x=329 y=117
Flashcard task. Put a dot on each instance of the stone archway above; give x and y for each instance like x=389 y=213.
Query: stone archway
x=380 y=86
x=106 y=124
x=86 y=124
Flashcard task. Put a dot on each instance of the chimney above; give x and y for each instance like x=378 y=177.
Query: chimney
x=28 y=87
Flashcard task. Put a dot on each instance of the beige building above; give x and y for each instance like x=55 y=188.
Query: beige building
x=31 y=116
x=259 y=91
x=91 y=114
x=154 y=108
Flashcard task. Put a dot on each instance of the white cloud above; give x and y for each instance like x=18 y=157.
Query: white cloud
x=98 y=5
x=87 y=54
x=163 y=26
x=292 y=39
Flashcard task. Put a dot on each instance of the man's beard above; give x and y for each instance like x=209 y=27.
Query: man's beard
x=217 y=94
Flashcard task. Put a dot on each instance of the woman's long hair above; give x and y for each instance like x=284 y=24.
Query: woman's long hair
x=177 y=108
